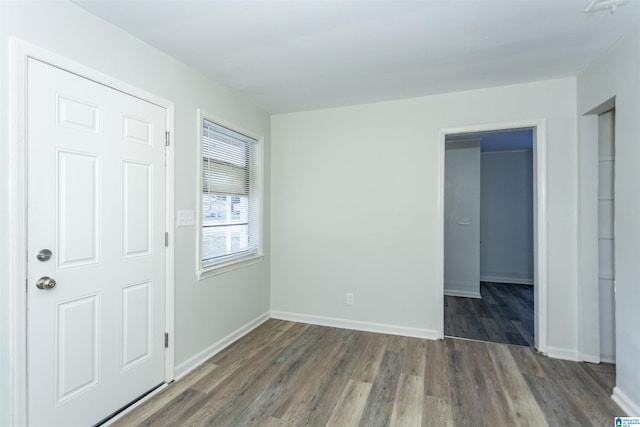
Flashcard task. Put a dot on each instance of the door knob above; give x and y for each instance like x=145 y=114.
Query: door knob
x=45 y=283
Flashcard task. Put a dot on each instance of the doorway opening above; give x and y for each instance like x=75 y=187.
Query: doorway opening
x=606 y=369
x=518 y=295
x=606 y=234
x=597 y=306
x=488 y=245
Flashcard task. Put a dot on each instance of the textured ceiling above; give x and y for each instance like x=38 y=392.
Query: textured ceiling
x=292 y=55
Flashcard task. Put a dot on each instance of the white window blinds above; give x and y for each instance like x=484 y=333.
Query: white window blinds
x=230 y=221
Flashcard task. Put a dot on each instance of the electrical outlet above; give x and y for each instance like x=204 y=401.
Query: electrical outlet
x=349 y=299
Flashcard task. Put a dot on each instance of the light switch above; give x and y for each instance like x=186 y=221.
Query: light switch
x=184 y=218
x=464 y=220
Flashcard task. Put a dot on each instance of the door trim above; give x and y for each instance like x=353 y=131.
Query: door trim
x=539 y=220
x=20 y=52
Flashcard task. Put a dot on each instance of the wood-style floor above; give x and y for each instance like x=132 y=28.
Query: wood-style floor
x=503 y=314
x=291 y=374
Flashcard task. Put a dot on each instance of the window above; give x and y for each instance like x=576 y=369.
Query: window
x=230 y=205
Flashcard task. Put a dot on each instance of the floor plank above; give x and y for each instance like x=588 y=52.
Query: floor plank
x=437 y=380
x=521 y=402
x=407 y=406
x=292 y=374
x=436 y=412
x=169 y=394
x=369 y=362
x=331 y=385
x=350 y=405
x=604 y=374
x=379 y=406
x=466 y=407
x=504 y=314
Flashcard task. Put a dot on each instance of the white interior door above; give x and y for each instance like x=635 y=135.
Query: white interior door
x=96 y=201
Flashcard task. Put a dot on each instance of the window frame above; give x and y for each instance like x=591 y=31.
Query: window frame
x=235 y=261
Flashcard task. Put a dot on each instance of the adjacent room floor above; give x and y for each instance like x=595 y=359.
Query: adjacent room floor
x=504 y=314
x=286 y=373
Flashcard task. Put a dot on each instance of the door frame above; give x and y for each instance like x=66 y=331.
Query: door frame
x=539 y=127
x=588 y=269
x=20 y=53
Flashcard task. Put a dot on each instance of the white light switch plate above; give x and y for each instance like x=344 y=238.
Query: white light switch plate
x=184 y=218
x=464 y=220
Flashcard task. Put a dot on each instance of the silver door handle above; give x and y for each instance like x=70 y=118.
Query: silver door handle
x=45 y=283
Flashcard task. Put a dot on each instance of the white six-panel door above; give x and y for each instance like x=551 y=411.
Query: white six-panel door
x=96 y=201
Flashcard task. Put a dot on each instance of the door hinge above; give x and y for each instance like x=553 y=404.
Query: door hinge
x=166 y=340
x=167 y=138
x=166 y=239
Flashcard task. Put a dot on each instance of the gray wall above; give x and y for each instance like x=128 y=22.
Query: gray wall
x=379 y=166
x=617 y=74
x=462 y=219
x=205 y=311
x=506 y=217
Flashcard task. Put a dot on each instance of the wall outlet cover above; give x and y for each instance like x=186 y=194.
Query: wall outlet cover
x=349 y=299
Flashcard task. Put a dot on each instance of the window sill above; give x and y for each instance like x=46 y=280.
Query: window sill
x=230 y=266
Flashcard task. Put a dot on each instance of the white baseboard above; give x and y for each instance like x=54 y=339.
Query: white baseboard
x=623 y=400
x=590 y=358
x=563 y=353
x=407 y=331
x=519 y=280
x=598 y=358
x=462 y=289
x=608 y=358
x=193 y=362
x=459 y=293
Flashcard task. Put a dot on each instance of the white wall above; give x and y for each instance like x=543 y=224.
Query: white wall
x=506 y=217
x=205 y=311
x=355 y=206
x=462 y=219
x=617 y=73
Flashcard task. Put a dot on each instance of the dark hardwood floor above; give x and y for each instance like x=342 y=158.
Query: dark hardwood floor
x=287 y=374
x=504 y=314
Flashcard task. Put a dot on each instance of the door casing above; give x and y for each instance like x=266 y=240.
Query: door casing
x=539 y=218
x=20 y=52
